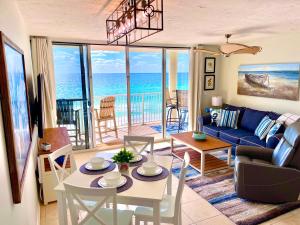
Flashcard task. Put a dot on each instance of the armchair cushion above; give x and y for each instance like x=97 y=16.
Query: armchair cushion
x=285 y=149
x=251 y=119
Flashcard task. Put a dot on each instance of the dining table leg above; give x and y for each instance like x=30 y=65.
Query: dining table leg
x=169 y=183
x=62 y=208
x=172 y=145
x=156 y=213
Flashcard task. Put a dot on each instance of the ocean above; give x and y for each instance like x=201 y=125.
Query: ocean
x=145 y=88
x=68 y=86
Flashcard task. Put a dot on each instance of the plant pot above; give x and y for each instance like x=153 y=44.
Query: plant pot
x=123 y=167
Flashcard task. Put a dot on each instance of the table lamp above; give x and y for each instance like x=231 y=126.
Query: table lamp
x=217 y=101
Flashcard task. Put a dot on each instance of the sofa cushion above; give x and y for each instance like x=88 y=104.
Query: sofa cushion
x=235 y=108
x=234 y=135
x=252 y=141
x=251 y=119
x=213 y=130
x=273 y=115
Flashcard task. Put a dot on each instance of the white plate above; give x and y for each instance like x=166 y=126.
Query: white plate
x=142 y=172
x=105 y=165
x=103 y=183
x=137 y=158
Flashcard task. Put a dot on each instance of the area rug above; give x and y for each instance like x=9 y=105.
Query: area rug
x=218 y=189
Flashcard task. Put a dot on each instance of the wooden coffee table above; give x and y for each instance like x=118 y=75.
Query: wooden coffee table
x=202 y=159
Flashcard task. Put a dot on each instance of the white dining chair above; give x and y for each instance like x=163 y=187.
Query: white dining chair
x=96 y=214
x=139 y=144
x=60 y=170
x=170 y=206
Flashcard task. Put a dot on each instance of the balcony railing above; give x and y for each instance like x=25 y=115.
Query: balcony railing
x=145 y=108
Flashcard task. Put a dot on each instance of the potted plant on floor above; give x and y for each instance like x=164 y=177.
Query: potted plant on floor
x=122 y=158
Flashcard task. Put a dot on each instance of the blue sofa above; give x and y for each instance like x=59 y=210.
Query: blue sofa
x=248 y=120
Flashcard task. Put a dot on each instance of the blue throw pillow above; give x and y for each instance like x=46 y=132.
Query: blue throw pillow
x=273 y=130
x=264 y=127
x=229 y=118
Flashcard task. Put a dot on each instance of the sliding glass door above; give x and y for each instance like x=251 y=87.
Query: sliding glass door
x=106 y=92
x=109 y=80
x=72 y=92
x=177 y=91
x=146 y=91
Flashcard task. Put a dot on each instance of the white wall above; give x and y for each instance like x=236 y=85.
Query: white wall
x=283 y=48
x=28 y=211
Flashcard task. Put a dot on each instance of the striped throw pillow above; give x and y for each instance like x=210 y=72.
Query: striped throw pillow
x=264 y=127
x=229 y=118
x=273 y=130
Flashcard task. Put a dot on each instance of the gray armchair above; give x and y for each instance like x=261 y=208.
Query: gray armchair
x=267 y=175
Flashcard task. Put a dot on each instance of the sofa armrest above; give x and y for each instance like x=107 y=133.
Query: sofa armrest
x=203 y=120
x=255 y=152
x=274 y=140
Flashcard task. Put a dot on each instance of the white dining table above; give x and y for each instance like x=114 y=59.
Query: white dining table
x=141 y=193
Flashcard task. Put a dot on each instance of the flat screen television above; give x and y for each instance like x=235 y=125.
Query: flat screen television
x=40 y=104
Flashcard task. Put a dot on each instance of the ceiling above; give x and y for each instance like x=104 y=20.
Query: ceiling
x=186 y=22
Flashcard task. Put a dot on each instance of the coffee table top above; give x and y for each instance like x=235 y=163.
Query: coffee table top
x=209 y=144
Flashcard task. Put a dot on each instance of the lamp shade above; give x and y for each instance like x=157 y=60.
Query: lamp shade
x=216 y=101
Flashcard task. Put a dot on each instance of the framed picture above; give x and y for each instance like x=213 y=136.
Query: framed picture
x=15 y=112
x=280 y=80
x=210 y=65
x=209 y=82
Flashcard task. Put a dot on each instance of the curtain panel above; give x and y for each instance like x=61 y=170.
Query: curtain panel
x=42 y=62
x=195 y=87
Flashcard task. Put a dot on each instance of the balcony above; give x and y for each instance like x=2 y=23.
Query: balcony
x=146 y=118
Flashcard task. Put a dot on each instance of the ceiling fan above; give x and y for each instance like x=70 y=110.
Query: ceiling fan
x=228 y=49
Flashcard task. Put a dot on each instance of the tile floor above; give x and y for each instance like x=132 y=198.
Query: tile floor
x=195 y=210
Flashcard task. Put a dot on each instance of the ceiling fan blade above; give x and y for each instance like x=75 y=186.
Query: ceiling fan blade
x=207 y=51
x=248 y=50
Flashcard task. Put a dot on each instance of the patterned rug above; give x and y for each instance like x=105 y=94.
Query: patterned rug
x=218 y=189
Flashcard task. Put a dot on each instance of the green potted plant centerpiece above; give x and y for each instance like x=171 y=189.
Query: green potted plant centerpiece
x=122 y=158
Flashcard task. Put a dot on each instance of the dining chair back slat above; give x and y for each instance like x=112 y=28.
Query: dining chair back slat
x=80 y=196
x=58 y=161
x=139 y=144
x=184 y=168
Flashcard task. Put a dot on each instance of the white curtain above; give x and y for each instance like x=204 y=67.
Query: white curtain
x=42 y=62
x=195 y=87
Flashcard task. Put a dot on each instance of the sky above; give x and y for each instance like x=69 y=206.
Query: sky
x=66 y=60
x=271 y=67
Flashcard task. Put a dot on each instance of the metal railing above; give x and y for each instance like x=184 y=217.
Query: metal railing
x=145 y=107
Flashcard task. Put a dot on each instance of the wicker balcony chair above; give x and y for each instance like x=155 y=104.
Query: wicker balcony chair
x=106 y=113
x=182 y=107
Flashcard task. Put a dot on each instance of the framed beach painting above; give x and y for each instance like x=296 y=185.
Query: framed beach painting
x=279 y=80
x=210 y=65
x=15 y=113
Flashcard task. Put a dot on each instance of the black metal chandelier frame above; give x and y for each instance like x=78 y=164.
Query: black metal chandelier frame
x=129 y=12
